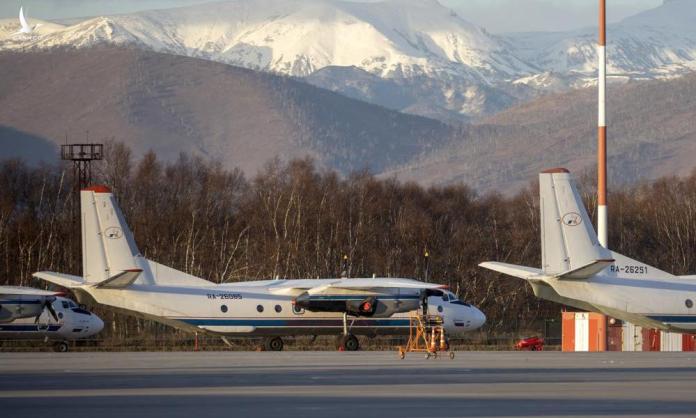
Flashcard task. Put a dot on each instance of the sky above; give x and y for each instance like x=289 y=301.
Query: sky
x=496 y=16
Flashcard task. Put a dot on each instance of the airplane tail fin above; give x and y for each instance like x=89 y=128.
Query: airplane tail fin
x=569 y=245
x=110 y=257
x=109 y=253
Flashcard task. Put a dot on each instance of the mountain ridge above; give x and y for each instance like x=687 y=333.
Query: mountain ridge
x=175 y=104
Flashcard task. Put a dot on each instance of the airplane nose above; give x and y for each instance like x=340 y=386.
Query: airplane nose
x=96 y=326
x=479 y=318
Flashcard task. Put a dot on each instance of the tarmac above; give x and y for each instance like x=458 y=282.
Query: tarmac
x=341 y=384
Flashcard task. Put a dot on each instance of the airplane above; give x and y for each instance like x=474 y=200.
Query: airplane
x=18 y=302
x=25 y=28
x=577 y=271
x=117 y=275
x=27 y=313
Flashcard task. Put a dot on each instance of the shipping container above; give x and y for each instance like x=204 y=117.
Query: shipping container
x=584 y=331
x=614 y=335
x=632 y=337
x=671 y=341
x=651 y=339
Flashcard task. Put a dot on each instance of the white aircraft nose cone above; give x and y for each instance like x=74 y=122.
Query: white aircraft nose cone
x=96 y=326
x=479 y=318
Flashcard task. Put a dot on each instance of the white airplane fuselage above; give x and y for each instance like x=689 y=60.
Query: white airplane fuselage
x=650 y=302
x=252 y=309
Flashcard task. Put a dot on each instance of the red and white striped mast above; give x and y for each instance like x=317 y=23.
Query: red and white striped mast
x=602 y=234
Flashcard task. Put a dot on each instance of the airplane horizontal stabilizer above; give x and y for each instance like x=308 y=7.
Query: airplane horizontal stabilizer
x=586 y=271
x=121 y=280
x=64 y=280
x=522 y=272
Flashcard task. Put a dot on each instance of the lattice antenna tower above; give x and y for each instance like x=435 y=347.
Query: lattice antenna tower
x=82 y=156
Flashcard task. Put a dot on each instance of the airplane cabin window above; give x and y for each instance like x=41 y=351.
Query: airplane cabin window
x=223 y=308
x=689 y=303
x=259 y=308
x=278 y=308
x=439 y=309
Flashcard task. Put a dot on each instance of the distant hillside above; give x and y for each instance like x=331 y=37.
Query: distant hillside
x=652 y=133
x=172 y=104
x=245 y=118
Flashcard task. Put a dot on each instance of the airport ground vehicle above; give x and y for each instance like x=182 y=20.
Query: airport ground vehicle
x=530 y=343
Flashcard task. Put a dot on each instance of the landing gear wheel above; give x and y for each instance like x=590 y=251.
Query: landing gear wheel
x=349 y=343
x=273 y=344
x=451 y=355
x=61 y=347
x=402 y=355
x=427 y=356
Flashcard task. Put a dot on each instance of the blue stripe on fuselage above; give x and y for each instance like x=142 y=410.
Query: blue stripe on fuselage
x=361 y=297
x=674 y=319
x=20 y=302
x=309 y=322
x=27 y=328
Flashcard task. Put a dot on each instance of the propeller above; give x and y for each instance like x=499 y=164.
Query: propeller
x=48 y=305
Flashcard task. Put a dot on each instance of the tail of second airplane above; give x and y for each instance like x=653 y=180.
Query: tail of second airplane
x=569 y=245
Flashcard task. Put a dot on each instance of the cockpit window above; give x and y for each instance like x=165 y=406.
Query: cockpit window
x=65 y=305
x=72 y=304
x=450 y=297
x=81 y=311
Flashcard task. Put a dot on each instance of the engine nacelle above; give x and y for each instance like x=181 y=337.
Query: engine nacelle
x=371 y=306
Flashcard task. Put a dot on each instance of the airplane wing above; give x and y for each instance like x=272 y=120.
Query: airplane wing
x=18 y=290
x=367 y=285
x=384 y=283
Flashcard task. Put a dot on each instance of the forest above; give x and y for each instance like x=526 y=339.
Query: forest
x=299 y=220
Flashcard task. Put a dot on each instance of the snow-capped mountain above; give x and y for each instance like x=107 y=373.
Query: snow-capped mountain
x=413 y=42
x=394 y=38
x=655 y=44
x=414 y=56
